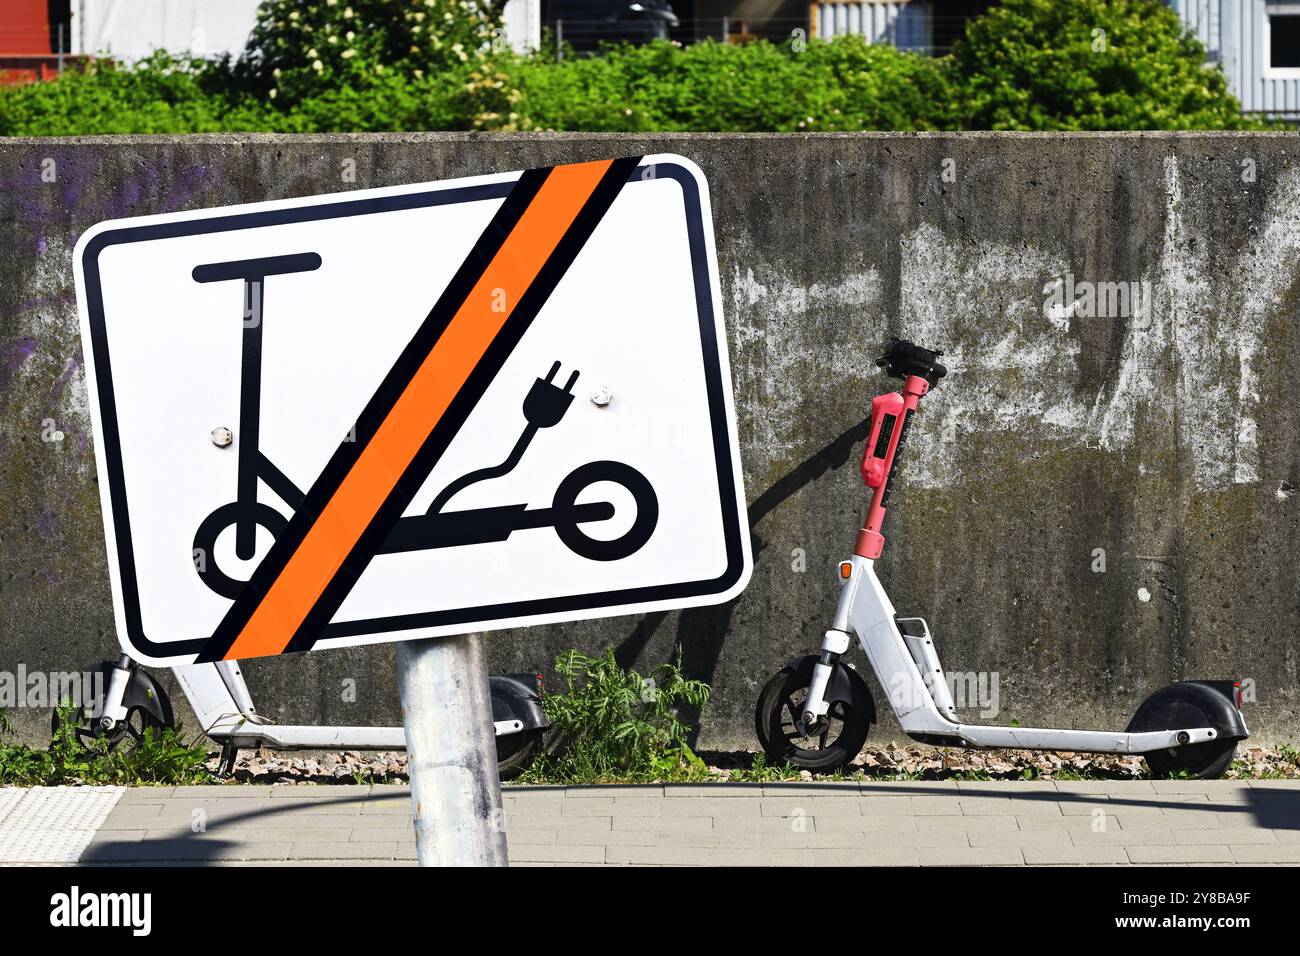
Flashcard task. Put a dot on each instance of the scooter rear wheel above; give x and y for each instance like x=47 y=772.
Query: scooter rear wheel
x=1204 y=761
x=830 y=745
x=516 y=752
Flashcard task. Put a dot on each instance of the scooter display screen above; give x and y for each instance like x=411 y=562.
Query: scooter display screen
x=881 y=450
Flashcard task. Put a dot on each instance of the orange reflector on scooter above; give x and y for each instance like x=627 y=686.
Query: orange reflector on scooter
x=846 y=570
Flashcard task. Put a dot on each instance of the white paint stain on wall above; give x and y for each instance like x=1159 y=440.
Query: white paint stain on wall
x=779 y=344
x=956 y=298
x=1200 y=351
x=1191 y=362
x=1187 y=363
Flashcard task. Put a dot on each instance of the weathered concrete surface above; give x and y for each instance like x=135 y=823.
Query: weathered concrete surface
x=1167 y=439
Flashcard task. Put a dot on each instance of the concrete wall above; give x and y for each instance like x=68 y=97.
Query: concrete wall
x=1167 y=437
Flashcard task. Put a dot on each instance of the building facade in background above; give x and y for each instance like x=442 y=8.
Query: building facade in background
x=131 y=29
x=1257 y=42
x=923 y=26
x=32 y=46
x=33 y=33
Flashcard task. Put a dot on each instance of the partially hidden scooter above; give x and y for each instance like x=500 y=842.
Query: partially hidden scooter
x=133 y=701
x=816 y=711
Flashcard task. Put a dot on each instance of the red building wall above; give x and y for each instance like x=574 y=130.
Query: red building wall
x=26 y=41
x=25 y=27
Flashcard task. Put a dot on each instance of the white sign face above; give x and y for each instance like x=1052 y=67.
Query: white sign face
x=415 y=411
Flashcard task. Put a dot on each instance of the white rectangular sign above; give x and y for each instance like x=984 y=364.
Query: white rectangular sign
x=414 y=411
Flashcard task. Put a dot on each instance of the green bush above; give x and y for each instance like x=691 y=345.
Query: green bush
x=617 y=725
x=300 y=49
x=161 y=94
x=390 y=103
x=1088 y=65
x=174 y=95
x=843 y=84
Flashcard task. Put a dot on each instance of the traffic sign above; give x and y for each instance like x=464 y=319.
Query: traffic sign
x=414 y=411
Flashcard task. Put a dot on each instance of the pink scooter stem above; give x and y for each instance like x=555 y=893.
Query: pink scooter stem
x=890 y=416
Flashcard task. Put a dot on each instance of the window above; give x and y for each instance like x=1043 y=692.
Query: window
x=1284 y=41
x=1282 y=38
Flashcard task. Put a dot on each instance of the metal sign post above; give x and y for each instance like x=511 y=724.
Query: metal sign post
x=451 y=752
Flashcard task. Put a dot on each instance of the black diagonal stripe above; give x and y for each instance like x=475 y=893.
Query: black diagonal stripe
x=394 y=383
x=519 y=321
x=376 y=410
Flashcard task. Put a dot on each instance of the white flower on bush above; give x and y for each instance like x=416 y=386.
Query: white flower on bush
x=349 y=54
x=318 y=66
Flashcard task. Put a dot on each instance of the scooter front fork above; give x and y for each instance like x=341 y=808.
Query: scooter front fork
x=816 y=706
x=113 y=710
x=834 y=644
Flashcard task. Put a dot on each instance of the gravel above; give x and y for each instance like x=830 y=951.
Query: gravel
x=889 y=762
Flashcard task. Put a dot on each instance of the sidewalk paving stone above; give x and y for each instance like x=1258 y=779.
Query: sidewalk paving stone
x=906 y=823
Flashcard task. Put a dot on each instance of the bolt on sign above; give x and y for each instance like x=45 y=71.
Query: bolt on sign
x=414 y=411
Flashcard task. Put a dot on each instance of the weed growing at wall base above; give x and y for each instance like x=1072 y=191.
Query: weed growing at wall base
x=616 y=724
x=157 y=759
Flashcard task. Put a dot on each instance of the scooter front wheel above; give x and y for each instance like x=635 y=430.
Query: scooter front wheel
x=829 y=745
x=148 y=708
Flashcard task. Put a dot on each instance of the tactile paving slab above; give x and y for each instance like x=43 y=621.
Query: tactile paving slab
x=9 y=798
x=53 y=824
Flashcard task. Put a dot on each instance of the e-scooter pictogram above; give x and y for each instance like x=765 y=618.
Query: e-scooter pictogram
x=815 y=712
x=544 y=406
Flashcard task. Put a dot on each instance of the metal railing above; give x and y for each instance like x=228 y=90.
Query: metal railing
x=585 y=34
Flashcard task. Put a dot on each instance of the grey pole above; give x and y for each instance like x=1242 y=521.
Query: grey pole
x=451 y=752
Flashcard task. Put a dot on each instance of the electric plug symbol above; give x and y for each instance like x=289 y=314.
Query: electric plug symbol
x=546 y=402
x=544 y=406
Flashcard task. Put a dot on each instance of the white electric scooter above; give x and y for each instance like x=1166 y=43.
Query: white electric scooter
x=133 y=702
x=816 y=711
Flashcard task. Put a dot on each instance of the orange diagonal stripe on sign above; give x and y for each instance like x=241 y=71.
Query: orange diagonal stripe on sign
x=441 y=375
